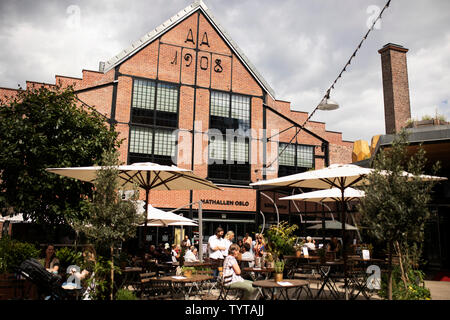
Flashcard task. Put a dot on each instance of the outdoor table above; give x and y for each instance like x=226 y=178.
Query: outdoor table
x=200 y=264
x=166 y=267
x=179 y=283
x=266 y=271
x=72 y=291
x=310 y=257
x=282 y=287
x=298 y=262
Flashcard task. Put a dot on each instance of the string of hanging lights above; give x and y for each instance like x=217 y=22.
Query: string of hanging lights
x=326 y=103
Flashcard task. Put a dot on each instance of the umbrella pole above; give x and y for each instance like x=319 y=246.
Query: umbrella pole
x=344 y=253
x=200 y=231
x=146 y=215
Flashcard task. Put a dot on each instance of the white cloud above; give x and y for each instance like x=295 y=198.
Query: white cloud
x=298 y=46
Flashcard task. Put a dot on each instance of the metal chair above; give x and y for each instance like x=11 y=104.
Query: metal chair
x=156 y=289
x=224 y=287
x=144 y=282
x=207 y=285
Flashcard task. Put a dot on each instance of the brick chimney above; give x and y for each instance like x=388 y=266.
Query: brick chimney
x=397 y=109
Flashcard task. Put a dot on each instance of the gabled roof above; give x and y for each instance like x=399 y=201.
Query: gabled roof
x=172 y=22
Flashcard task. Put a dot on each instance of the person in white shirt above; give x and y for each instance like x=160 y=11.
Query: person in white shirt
x=309 y=243
x=247 y=255
x=186 y=243
x=216 y=246
x=190 y=256
x=175 y=255
x=228 y=242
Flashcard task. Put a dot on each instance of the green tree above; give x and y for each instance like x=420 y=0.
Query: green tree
x=395 y=207
x=44 y=128
x=109 y=218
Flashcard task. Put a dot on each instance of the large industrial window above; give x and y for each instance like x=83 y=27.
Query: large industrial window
x=229 y=159
x=229 y=153
x=151 y=145
x=294 y=159
x=154 y=103
x=229 y=111
x=154 y=116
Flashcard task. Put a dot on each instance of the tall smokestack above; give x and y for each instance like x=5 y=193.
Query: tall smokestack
x=397 y=109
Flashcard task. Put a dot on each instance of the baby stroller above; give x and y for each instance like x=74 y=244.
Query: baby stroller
x=48 y=284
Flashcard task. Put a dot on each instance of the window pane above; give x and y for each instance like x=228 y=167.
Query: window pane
x=143 y=94
x=239 y=150
x=220 y=104
x=217 y=148
x=305 y=156
x=240 y=107
x=286 y=157
x=167 y=98
x=140 y=140
x=164 y=143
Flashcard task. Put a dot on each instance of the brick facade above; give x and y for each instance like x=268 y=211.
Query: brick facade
x=190 y=55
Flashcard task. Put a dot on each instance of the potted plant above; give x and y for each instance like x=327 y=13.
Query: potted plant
x=268 y=260
x=187 y=271
x=280 y=240
x=280 y=243
x=298 y=248
x=279 y=268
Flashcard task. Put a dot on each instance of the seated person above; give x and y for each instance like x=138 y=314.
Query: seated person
x=166 y=256
x=247 y=255
x=231 y=267
x=189 y=256
x=153 y=254
x=51 y=263
x=310 y=243
x=334 y=246
x=175 y=253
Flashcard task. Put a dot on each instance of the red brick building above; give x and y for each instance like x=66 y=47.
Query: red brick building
x=188 y=76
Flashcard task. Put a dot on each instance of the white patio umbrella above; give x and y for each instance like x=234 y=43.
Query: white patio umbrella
x=147 y=176
x=340 y=176
x=327 y=195
x=160 y=218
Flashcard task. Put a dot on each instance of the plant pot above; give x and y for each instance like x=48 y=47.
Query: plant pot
x=298 y=253
x=187 y=273
x=278 y=277
x=270 y=264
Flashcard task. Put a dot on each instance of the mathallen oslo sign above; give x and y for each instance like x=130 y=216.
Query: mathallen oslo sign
x=226 y=202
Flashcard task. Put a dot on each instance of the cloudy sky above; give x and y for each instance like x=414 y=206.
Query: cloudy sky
x=299 y=46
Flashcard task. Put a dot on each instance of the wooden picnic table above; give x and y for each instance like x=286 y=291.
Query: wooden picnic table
x=279 y=290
